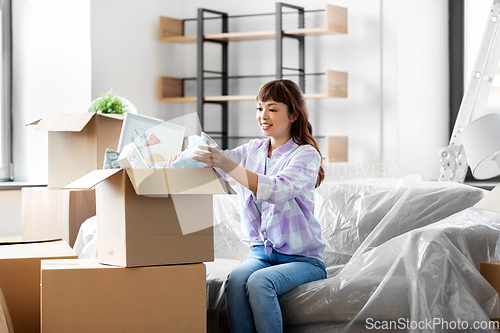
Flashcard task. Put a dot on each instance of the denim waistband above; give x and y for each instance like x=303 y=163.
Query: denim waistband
x=276 y=257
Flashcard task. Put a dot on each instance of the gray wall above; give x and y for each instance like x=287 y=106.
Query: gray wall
x=397 y=111
x=68 y=52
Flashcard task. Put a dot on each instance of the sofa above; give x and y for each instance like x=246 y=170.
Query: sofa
x=401 y=252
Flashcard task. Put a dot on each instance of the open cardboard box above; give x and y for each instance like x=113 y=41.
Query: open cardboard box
x=154 y=216
x=5 y=320
x=84 y=296
x=20 y=278
x=77 y=143
x=49 y=213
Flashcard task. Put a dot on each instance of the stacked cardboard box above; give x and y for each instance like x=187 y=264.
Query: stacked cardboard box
x=154 y=233
x=76 y=144
x=5 y=320
x=20 y=279
x=154 y=216
x=49 y=213
x=85 y=296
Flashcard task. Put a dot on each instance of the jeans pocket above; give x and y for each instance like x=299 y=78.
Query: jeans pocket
x=256 y=251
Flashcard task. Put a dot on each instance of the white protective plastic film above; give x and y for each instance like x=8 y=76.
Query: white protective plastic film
x=399 y=251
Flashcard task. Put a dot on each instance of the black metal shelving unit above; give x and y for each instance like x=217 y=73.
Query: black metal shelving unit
x=208 y=21
x=200 y=77
x=280 y=35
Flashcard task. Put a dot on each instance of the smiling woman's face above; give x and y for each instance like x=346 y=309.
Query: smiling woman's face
x=273 y=119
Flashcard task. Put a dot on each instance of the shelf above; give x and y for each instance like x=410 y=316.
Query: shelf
x=170 y=90
x=233 y=98
x=171 y=29
x=288 y=21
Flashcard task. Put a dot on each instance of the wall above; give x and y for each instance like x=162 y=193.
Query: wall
x=415 y=85
x=396 y=113
x=395 y=116
x=51 y=74
x=127 y=56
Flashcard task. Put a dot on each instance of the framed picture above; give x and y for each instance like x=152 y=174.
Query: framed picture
x=155 y=139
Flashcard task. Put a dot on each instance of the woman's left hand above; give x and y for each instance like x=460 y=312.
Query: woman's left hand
x=214 y=158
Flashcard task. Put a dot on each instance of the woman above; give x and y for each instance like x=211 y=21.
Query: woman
x=276 y=178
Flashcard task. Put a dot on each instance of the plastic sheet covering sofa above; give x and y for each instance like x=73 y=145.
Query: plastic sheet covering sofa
x=400 y=252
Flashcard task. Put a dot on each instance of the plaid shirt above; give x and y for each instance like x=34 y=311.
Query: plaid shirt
x=286 y=191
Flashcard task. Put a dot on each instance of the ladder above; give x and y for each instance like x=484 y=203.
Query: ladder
x=453 y=159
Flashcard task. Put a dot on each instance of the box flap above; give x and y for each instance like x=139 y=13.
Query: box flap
x=47 y=264
x=34 y=123
x=228 y=189
x=92 y=179
x=161 y=182
x=14 y=242
x=111 y=115
x=68 y=122
x=53 y=249
x=63 y=122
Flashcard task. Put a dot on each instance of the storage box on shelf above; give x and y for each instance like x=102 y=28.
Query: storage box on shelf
x=77 y=143
x=20 y=279
x=55 y=213
x=154 y=216
x=84 y=296
x=336 y=148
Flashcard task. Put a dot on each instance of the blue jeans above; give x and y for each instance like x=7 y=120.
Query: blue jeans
x=252 y=288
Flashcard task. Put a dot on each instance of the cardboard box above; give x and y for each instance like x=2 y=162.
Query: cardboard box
x=490 y=270
x=77 y=143
x=84 y=296
x=55 y=213
x=20 y=279
x=154 y=216
x=5 y=320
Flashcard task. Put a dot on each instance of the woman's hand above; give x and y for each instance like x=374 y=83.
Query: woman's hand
x=219 y=160
x=172 y=159
x=214 y=157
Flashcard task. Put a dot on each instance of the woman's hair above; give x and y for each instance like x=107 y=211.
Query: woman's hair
x=288 y=92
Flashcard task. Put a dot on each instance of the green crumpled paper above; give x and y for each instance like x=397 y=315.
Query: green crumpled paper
x=111 y=159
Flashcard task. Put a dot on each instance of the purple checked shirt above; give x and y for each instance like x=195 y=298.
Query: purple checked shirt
x=286 y=192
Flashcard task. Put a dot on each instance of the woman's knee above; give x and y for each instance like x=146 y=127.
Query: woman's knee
x=236 y=279
x=260 y=282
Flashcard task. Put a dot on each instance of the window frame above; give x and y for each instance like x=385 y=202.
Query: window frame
x=6 y=132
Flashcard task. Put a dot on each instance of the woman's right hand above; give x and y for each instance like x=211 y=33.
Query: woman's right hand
x=172 y=159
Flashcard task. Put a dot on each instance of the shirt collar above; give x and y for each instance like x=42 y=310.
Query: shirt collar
x=282 y=150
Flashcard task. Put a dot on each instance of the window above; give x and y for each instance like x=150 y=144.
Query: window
x=467 y=21
x=5 y=91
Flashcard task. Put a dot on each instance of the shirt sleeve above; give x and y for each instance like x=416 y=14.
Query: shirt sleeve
x=301 y=171
x=236 y=155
